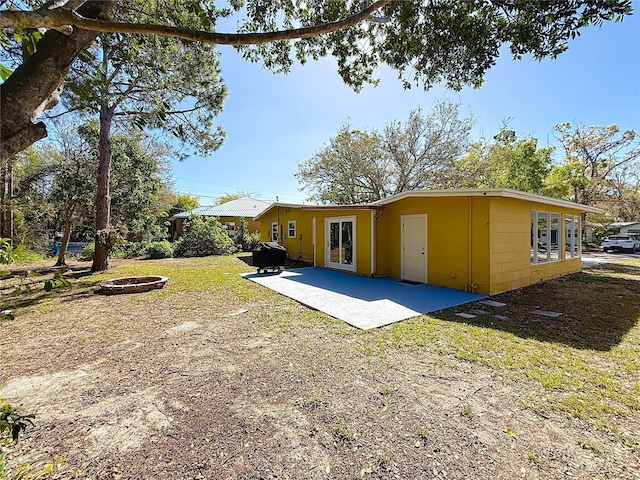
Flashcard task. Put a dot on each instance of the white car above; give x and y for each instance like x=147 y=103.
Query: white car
x=621 y=243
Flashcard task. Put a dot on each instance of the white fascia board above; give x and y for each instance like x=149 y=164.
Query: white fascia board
x=488 y=192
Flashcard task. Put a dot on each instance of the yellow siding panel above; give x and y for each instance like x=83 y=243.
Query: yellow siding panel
x=510 y=264
x=301 y=247
x=546 y=271
x=447 y=239
x=510 y=258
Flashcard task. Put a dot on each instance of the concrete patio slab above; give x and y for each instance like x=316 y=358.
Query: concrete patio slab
x=363 y=302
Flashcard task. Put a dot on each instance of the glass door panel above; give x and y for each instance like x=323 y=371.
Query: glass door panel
x=340 y=243
x=347 y=243
x=334 y=242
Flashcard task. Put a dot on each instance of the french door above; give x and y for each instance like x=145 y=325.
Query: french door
x=340 y=236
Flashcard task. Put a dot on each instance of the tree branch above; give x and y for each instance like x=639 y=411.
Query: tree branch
x=59 y=18
x=34 y=80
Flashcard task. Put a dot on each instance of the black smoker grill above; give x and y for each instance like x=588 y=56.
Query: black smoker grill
x=269 y=255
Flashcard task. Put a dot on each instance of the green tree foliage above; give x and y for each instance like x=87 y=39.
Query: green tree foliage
x=55 y=185
x=27 y=209
x=229 y=197
x=449 y=42
x=135 y=186
x=203 y=236
x=73 y=186
x=184 y=203
x=599 y=165
x=504 y=162
x=358 y=166
x=8 y=253
x=148 y=82
x=352 y=168
x=152 y=82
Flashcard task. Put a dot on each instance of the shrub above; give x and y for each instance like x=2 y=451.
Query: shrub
x=244 y=240
x=87 y=252
x=161 y=249
x=124 y=249
x=203 y=237
x=251 y=241
x=12 y=422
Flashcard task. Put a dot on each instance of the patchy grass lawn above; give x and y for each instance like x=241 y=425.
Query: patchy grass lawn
x=217 y=377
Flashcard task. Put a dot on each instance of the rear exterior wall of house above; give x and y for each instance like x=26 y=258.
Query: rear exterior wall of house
x=475 y=243
x=278 y=223
x=448 y=239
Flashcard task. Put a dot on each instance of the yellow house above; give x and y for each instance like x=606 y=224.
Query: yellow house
x=228 y=214
x=484 y=241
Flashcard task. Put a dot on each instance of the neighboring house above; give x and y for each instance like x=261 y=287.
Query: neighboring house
x=229 y=214
x=474 y=240
x=625 y=228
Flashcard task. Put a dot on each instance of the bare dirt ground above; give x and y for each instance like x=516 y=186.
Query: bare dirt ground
x=182 y=386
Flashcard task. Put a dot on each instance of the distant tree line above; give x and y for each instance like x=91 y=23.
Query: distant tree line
x=48 y=192
x=596 y=166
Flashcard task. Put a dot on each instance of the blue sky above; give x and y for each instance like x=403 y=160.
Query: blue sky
x=274 y=122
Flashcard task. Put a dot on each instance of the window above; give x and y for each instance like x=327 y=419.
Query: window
x=231 y=226
x=545 y=237
x=291 y=229
x=539 y=236
x=554 y=250
x=274 y=232
x=572 y=236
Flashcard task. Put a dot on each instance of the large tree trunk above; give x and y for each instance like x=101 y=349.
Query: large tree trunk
x=104 y=235
x=3 y=202
x=68 y=217
x=33 y=82
x=6 y=201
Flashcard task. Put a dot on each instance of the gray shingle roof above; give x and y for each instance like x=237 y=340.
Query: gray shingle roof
x=242 y=207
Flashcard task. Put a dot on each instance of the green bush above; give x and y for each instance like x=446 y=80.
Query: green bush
x=87 y=252
x=244 y=240
x=161 y=249
x=203 y=237
x=124 y=249
x=250 y=241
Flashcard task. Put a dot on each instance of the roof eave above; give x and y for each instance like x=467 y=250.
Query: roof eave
x=488 y=192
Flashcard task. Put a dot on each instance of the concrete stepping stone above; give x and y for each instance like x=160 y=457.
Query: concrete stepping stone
x=465 y=315
x=493 y=303
x=547 y=313
x=503 y=318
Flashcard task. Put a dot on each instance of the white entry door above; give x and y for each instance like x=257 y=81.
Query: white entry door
x=414 y=248
x=340 y=243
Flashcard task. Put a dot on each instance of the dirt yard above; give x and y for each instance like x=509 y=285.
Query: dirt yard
x=214 y=377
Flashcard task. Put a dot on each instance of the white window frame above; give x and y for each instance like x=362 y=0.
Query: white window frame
x=231 y=226
x=274 y=232
x=291 y=223
x=340 y=266
x=554 y=255
x=561 y=238
x=573 y=243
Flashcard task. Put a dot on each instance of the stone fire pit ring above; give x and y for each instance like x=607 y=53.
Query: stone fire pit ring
x=131 y=285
